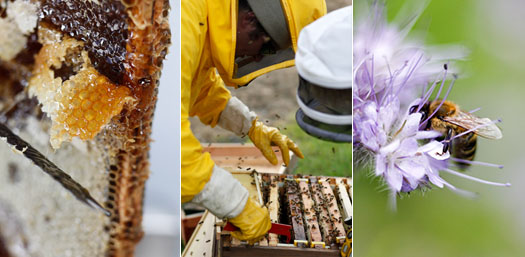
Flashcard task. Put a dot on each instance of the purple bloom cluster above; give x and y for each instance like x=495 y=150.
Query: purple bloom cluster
x=391 y=75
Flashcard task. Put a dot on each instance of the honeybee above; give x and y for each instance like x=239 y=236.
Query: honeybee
x=452 y=121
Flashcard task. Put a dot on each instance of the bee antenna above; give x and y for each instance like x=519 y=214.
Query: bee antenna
x=427 y=96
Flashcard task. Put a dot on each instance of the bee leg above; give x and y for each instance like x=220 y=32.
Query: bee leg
x=447 y=143
x=423 y=115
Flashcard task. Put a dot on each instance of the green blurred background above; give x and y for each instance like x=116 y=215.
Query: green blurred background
x=440 y=222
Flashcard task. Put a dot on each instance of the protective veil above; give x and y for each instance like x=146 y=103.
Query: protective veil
x=208 y=62
x=324 y=63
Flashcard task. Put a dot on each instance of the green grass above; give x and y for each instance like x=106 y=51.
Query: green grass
x=320 y=157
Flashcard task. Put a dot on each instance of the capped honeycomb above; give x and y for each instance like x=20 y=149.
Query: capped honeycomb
x=101 y=25
x=81 y=101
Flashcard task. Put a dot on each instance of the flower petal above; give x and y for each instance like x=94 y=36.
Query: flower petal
x=411 y=125
x=412 y=169
x=408 y=147
x=394 y=179
x=370 y=110
x=434 y=149
x=427 y=134
x=390 y=148
x=381 y=164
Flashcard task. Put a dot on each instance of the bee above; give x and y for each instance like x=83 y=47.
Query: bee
x=450 y=120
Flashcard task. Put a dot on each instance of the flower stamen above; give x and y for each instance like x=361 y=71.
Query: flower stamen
x=440 y=104
x=499 y=166
x=459 y=174
x=475 y=110
x=429 y=92
x=409 y=75
x=371 y=79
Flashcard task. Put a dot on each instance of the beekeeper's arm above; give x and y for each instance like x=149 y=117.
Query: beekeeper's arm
x=237 y=118
x=202 y=181
x=217 y=190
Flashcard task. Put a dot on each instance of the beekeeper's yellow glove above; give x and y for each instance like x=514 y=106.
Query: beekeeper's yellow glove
x=226 y=198
x=237 y=118
x=263 y=137
x=253 y=222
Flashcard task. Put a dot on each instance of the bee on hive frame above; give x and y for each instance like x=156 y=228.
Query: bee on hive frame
x=460 y=129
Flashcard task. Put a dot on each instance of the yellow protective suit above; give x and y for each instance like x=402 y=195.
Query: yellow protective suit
x=208 y=62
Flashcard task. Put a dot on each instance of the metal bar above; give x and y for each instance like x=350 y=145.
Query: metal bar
x=258 y=181
x=345 y=200
x=200 y=242
x=273 y=208
x=257 y=251
x=24 y=148
x=350 y=188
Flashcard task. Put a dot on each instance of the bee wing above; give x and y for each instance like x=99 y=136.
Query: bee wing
x=469 y=121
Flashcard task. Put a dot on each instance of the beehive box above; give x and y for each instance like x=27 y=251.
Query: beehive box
x=235 y=156
x=316 y=207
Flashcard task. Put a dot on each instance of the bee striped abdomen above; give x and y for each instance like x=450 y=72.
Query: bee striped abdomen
x=464 y=148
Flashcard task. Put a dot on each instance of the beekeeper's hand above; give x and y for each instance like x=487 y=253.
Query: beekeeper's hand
x=236 y=117
x=263 y=137
x=253 y=222
x=225 y=197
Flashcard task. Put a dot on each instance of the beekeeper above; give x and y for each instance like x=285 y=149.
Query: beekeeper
x=324 y=63
x=230 y=42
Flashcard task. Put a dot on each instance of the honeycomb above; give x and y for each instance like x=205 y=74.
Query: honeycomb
x=148 y=41
x=94 y=67
x=81 y=105
x=101 y=25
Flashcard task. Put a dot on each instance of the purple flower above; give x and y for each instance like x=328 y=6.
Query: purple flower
x=391 y=75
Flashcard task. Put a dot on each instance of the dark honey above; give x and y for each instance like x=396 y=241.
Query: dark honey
x=102 y=27
x=27 y=55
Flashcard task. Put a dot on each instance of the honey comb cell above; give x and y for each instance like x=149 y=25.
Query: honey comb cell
x=101 y=26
